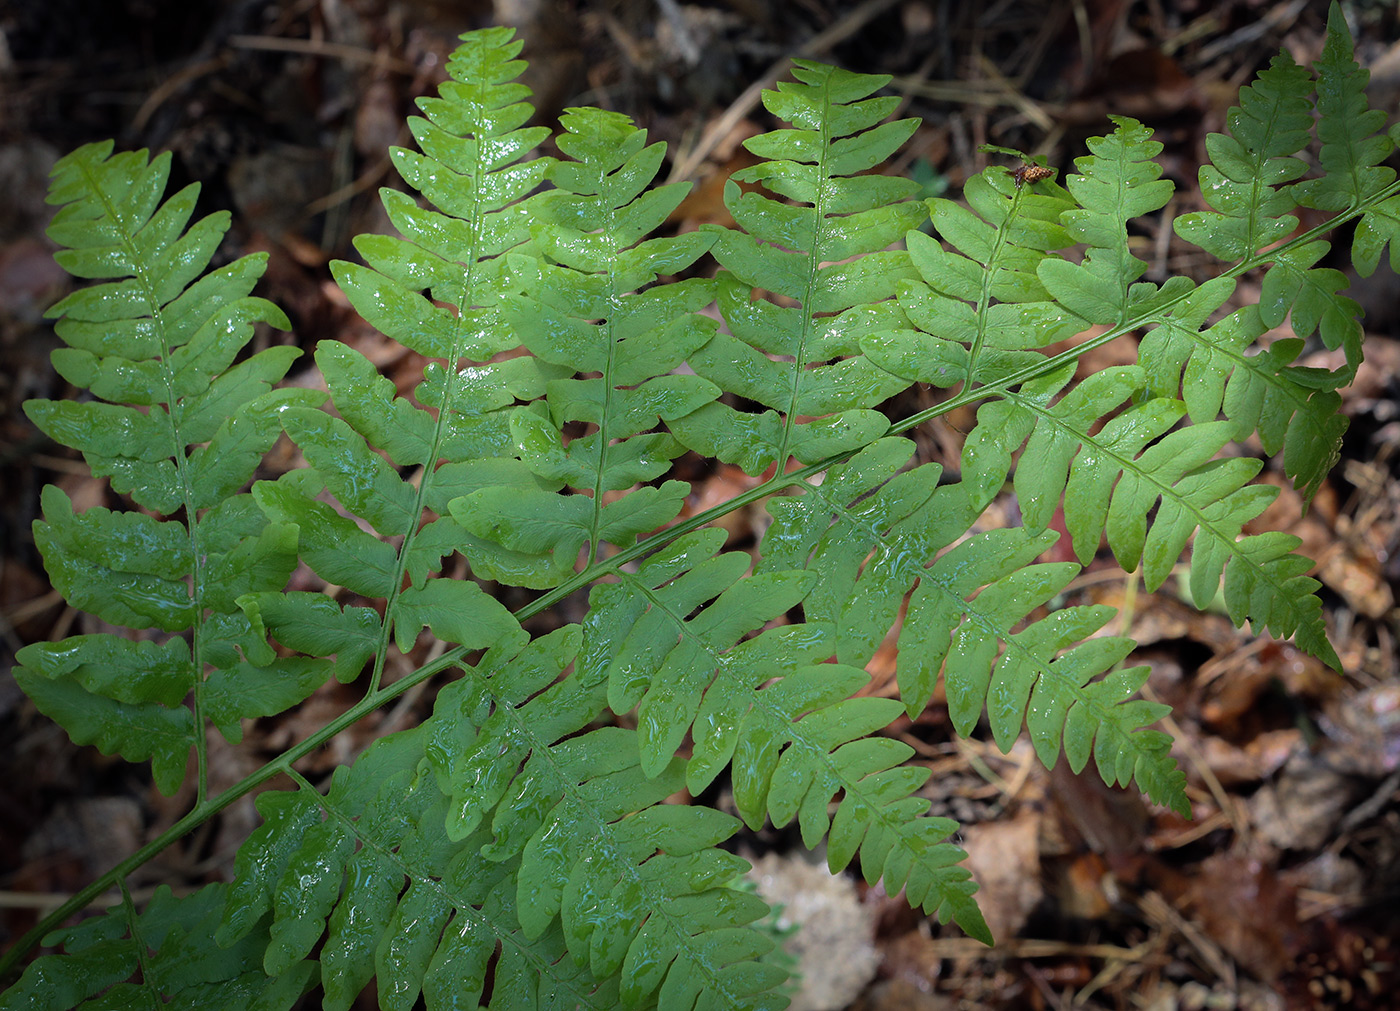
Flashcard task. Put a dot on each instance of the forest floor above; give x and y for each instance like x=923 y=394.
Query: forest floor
x=1283 y=891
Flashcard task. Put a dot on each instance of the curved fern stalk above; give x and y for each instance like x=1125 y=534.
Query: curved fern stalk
x=826 y=252
x=880 y=532
x=978 y=309
x=178 y=427
x=637 y=886
x=593 y=267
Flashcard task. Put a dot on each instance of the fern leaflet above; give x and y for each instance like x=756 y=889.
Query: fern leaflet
x=805 y=361
x=192 y=427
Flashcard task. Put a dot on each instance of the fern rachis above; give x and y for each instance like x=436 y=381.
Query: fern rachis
x=518 y=834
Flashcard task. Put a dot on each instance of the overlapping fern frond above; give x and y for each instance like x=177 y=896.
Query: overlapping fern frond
x=471 y=168
x=637 y=886
x=594 y=266
x=368 y=879
x=883 y=533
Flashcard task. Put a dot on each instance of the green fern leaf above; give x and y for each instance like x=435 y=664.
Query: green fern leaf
x=472 y=143
x=166 y=947
x=880 y=533
x=1310 y=297
x=1379 y=227
x=979 y=307
x=594 y=268
x=1352 y=149
x=1197 y=493
x=1250 y=164
x=1354 y=179
x=682 y=668
x=336 y=867
x=796 y=743
x=819 y=372
x=860 y=507
x=470 y=168
x=518 y=849
x=188 y=431
x=1118 y=182
x=684 y=611
x=580 y=816
x=1293 y=410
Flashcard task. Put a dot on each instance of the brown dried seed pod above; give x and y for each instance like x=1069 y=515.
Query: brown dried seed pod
x=1031 y=174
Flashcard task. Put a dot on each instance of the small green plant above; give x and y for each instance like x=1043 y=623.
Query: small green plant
x=515 y=848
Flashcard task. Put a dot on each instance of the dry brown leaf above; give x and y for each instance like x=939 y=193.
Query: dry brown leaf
x=1244 y=907
x=1303 y=806
x=1004 y=857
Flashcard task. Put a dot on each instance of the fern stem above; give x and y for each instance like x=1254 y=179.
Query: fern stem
x=1127 y=614
x=614 y=303
x=203 y=812
x=984 y=300
x=141 y=274
x=799 y=365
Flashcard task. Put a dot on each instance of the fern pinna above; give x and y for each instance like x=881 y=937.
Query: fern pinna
x=517 y=849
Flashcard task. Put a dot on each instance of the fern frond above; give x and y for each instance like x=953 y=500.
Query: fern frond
x=794 y=744
x=178 y=427
x=1352 y=149
x=368 y=875
x=636 y=887
x=805 y=361
x=880 y=533
x=1294 y=410
x=1112 y=479
x=683 y=611
x=1249 y=165
x=1115 y=184
x=1269 y=126
x=979 y=308
x=472 y=144
x=681 y=665
x=519 y=849
x=862 y=506
x=1310 y=299
x=471 y=169
x=594 y=268
x=166 y=947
